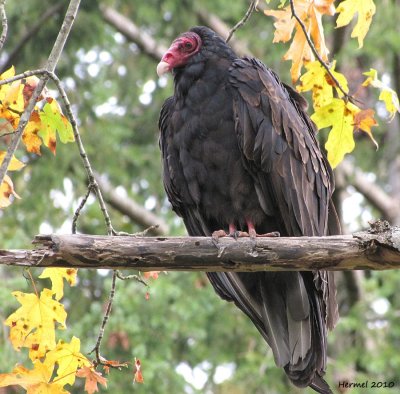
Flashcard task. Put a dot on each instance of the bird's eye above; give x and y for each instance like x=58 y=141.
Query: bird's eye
x=188 y=45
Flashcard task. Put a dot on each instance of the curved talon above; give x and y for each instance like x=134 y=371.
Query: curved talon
x=216 y=235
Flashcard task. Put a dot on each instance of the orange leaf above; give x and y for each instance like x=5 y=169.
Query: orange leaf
x=138 y=377
x=92 y=379
x=6 y=191
x=30 y=136
x=364 y=120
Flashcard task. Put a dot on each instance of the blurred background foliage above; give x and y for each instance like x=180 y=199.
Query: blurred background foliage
x=189 y=341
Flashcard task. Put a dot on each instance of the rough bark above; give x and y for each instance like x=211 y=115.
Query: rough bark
x=378 y=249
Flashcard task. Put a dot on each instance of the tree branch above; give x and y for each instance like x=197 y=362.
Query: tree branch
x=387 y=205
x=132 y=209
x=371 y=249
x=132 y=32
x=4 y=23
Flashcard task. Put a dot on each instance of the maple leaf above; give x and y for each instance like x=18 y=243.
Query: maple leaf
x=365 y=9
x=14 y=165
x=387 y=95
x=6 y=191
x=30 y=136
x=11 y=99
x=35 y=381
x=69 y=359
x=56 y=276
x=33 y=324
x=138 y=377
x=92 y=379
x=340 y=116
x=310 y=12
x=321 y=84
x=52 y=120
x=364 y=120
x=7 y=186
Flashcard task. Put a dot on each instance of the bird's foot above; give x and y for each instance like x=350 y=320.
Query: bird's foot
x=216 y=235
x=273 y=234
x=253 y=234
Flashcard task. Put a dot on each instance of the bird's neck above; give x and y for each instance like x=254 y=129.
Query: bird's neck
x=213 y=69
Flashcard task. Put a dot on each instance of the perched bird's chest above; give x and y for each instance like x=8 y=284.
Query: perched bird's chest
x=205 y=143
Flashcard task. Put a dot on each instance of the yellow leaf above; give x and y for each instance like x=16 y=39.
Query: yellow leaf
x=69 y=359
x=340 y=116
x=365 y=9
x=35 y=381
x=14 y=165
x=33 y=324
x=321 y=84
x=6 y=191
x=387 y=95
x=8 y=73
x=391 y=100
x=56 y=276
x=372 y=79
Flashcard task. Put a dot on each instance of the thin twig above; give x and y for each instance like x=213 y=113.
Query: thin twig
x=8 y=133
x=96 y=349
x=317 y=55
x=247 y=15
x=4 y=23
x=138 y=278
x=79 y=209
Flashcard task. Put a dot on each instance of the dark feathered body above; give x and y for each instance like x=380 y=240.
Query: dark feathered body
x=238 y=147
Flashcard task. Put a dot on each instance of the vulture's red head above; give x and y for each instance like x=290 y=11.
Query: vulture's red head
x=180 y=51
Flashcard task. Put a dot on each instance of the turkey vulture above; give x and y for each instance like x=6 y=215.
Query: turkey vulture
x=240 y=154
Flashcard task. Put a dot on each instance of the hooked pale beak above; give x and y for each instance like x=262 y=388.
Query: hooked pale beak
x=162 y=68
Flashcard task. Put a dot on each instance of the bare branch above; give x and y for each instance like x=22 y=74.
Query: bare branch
x=4 y=23
x=133 y=33
x=30 y=33
x=366 y=250
x=247 y=15
x=389 y=206
x=132 y=209
x=96 y=349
